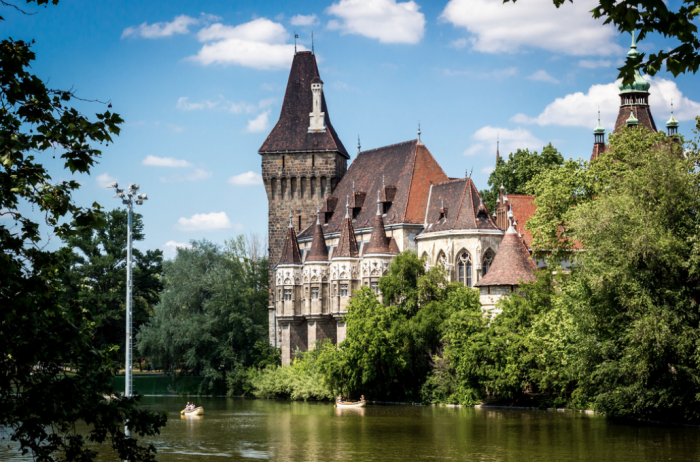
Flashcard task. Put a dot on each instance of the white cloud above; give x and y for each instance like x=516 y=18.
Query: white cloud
x=185 y=105
x=170 y=248
x=511 y=140
x=105 y=179
x=594 y=63
x=206 y=222
x=165 y=162
x=260 y=44
x=246 y=179
x=580 y=110
x=542 y=76
x=388 y=21
x=179 y=25
x=301 y=20
x=499 y=27
x=198 y=174
x=236 y=108
x=459 y=43
x=259 y=124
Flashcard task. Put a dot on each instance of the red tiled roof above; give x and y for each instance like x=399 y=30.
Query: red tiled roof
x=290 y=252
x=523 y=208
x=393 y=247
x=407 y=166
x=291 y=132
x=347 y=244
x=512 y=264
x=378 y=242
x=319 y=250
x=456 y=204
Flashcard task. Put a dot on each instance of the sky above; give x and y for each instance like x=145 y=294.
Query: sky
x=200 y=85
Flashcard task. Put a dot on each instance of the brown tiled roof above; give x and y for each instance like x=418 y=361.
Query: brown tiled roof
x=642 y=113
x=408 y=167
x=290 y=252
x=291 y=132
x=394 y=247
x=319 y=250
x=378 y=242
x=347 y=244
x=458 y=203
x=512 y=263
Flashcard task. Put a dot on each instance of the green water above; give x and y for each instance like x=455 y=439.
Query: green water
x=238 y=429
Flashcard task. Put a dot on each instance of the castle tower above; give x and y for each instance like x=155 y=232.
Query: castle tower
x=320 y=324
x=302 y=158
x=634 y=100
x=598 y=140
x=378 y=253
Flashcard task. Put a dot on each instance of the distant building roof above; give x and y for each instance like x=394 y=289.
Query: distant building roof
x=523 y=208
x=291 y=132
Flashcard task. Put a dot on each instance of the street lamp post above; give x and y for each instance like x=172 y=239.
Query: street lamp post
x=129 y=198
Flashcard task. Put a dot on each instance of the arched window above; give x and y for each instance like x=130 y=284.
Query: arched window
x=487 y=261
x=441 y=259
x=464 y=269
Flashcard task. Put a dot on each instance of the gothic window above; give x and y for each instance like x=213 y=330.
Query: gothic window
x=488 y=260
x=374 y=285
x=343 y=290
x=314 y=292
x=287 y=294
x=464 y=269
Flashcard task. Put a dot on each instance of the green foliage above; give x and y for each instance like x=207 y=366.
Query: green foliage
x=632 y=297
x=514 y=174
x=211 y=314
x=649 y=17
x=96 y=276
x=40 y=329
x=301 y=380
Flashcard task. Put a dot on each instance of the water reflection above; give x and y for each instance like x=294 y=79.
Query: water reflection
x=239 y=429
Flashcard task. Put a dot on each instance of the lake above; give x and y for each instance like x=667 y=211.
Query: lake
x=241 y=429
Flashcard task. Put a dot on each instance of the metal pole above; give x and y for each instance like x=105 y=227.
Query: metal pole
x=128 y=390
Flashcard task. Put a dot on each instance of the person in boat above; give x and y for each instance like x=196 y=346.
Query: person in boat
x=187 y=408
x=339 y=399
x=362 y=398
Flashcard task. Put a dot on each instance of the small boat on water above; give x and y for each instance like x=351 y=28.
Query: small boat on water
x=196 y=411
x=350 y=404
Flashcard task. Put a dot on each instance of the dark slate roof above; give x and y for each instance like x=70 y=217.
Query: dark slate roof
x=290 y=252
x=512 y=263
x=459 y=203
x=319 y=250
x=291 y=131
x=347 y=244
x=408 y=170
x=378 y=242
x=642 y=113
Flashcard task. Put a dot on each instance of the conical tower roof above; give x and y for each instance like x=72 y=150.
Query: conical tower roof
x=347 y=244
x=378 y=242
x=319 y=250
x=291 y=255
x=512 y=264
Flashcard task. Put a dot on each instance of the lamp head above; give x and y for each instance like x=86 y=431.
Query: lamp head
x=139 y=202
x=143 y=197
x=112 y=185
x=134 y=186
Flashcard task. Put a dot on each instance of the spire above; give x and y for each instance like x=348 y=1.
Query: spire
x=319 y=250
x=312 y=43
x=291 y=255
x=296 y=36
x=419 y=132
x=672 y=123
x=358 y=144
x=599 y=128
x=347 y=243
x=378 y=242
x=498 y=148
x=599 y=140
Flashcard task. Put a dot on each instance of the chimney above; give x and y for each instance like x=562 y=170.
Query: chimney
x=317 y=123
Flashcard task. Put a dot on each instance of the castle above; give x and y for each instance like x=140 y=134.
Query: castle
x=334 y=228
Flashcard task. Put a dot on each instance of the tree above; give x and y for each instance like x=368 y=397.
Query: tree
x=654 y=16
x=96 y=276
x=514 y=174
x=211 y=314
x=40 y=330
x=633 y=291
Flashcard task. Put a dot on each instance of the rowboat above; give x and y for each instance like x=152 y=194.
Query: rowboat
x=195 y=411
x=350 y=404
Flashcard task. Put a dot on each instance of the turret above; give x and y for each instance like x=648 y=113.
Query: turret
x=598 y=140
x=672 y=124
x=634 y=99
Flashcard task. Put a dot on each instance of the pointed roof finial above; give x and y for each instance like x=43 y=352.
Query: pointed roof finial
x=312 y=43
x=419 y=130
x=353 y=187
x=672 y=122
x=296 y=36
x=632 y=120
x=599 y=128
x=498 y=147
x=379 y=202
x=383 y=186
x=347 y=206
x=318 y=214
x=290 y=218
x=358 y=144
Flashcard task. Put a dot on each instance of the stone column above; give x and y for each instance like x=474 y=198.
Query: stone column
x=321 y=327
x=341 y=327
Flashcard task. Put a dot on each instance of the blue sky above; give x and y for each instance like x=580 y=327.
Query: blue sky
x=200 y=85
